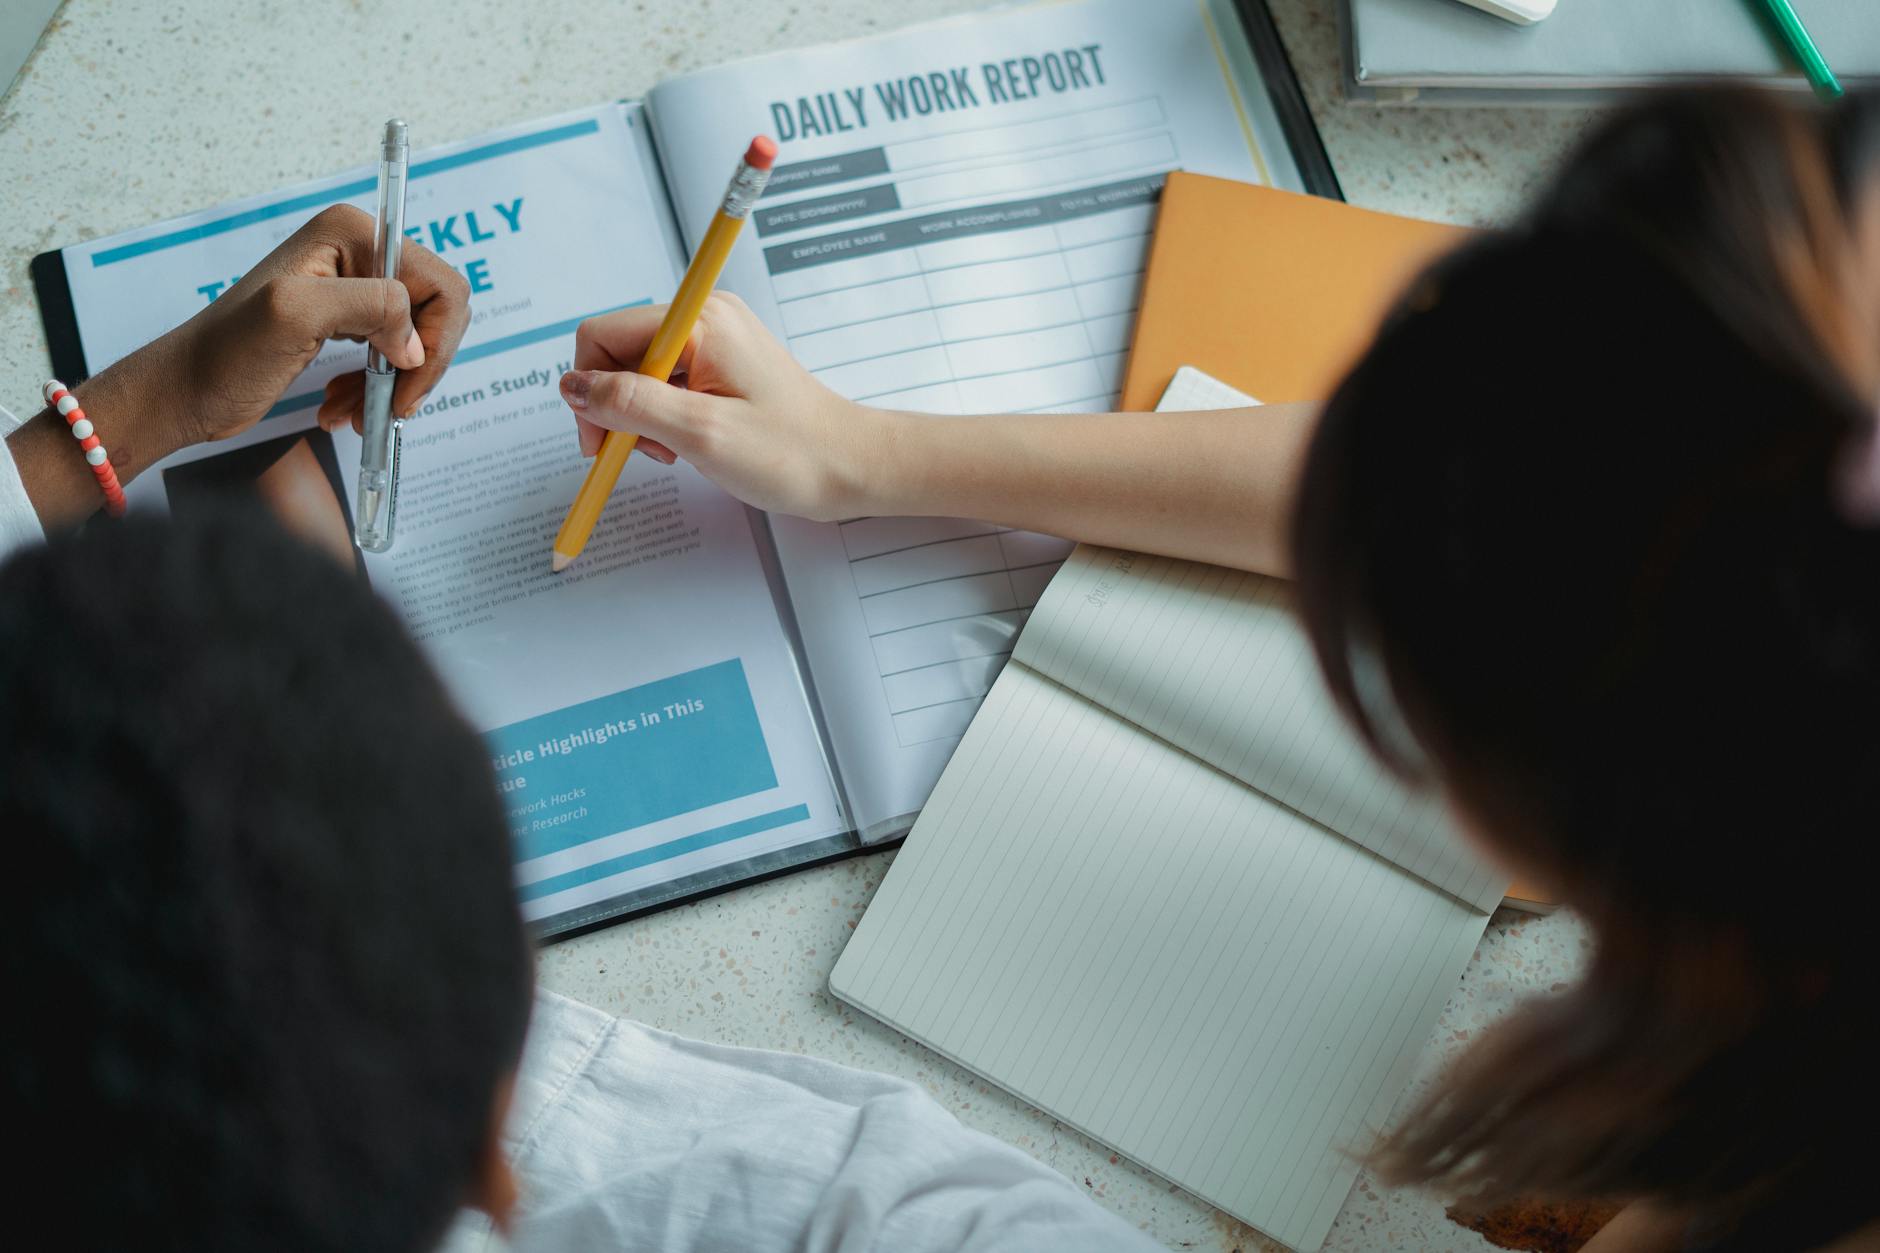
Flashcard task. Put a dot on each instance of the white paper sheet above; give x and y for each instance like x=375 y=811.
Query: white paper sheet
x=1158 y=956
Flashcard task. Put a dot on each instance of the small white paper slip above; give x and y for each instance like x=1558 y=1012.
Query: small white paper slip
x=1193 y=389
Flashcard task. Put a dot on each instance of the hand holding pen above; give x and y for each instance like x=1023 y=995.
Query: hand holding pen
x=377 y=501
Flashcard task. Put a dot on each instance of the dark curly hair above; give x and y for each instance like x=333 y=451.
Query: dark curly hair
x=264 y=964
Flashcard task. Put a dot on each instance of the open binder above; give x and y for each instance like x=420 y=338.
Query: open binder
x=980 y=253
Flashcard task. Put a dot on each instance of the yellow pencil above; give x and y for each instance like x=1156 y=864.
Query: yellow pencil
x=668 y=342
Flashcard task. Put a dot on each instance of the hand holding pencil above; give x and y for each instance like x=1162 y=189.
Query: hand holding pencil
x=747 y=184
x=750 y=418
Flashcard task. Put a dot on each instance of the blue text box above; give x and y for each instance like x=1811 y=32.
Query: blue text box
x=619 y=762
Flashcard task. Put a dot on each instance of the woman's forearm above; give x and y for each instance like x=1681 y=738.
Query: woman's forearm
x=1212 y=486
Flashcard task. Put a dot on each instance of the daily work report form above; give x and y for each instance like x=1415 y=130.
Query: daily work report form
x=958 y=224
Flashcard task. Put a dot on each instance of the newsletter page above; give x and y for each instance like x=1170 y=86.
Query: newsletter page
x=643 y=710
x=958 y=223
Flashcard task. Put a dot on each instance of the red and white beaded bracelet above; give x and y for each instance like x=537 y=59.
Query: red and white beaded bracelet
x=95 y=455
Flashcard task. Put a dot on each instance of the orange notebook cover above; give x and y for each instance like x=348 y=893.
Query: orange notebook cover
x=1276 y=294
x=1270 y=291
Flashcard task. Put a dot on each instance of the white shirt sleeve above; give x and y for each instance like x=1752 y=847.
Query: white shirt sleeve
x=19 y=524
x=628 y=1138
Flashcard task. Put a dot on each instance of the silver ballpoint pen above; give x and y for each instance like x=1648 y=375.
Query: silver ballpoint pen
x=378 y=451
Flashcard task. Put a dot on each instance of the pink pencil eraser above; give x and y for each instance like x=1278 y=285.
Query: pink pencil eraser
x=761 y=153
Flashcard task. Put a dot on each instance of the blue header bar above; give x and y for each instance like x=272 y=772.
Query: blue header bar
x=333 y=195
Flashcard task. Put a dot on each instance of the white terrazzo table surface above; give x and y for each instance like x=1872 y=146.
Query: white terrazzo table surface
x=135 y=110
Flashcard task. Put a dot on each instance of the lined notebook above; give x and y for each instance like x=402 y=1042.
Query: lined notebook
x=1163 y=894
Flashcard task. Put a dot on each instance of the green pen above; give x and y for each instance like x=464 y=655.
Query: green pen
x=1814 y=65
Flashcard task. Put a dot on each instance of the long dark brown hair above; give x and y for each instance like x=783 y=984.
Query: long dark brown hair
x=1579 y=500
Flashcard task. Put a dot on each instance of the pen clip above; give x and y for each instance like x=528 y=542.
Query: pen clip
x=391 y=471
x=380 y=443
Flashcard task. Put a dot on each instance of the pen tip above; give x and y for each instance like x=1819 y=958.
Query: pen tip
x=560 y=562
